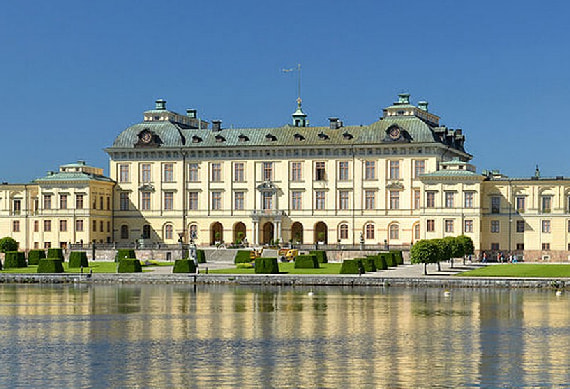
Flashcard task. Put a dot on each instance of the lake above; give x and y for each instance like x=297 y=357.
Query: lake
x=235 y=336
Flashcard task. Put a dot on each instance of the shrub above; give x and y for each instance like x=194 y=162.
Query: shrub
x=50 y=265
x=368 y=264
x=14 y=259
x=200 y=256
x=129 y=265
x=184 y=266
x=380 y=262
x=266 y=266
x=55 y=254
x=125 y=254
x=34 y=256
x=352 y=266
x=243 y=256
x=78 y=259
x=306 y=262
x=390 y=260
x=247 y=265
x=425 y=251
x=8 y=244
x=398 y=256
x=372 y=258
x=321 y=255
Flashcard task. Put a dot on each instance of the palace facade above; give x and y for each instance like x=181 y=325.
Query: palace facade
x=176 y=178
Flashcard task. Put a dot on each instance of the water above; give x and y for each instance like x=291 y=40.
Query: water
x=227 y=336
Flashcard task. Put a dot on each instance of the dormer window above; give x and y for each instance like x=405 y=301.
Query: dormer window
x=220 y=139
x=299 y=137
x=270 y=138
x=323 y=136
x=196 y=139
x=347 y=135
x=243 y=138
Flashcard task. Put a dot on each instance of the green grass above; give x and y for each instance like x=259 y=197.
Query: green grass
x=520 y=270
x=97 y=267
x=284 y=268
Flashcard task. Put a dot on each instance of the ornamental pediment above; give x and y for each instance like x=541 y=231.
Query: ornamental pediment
x=395 y=185
x=146 y=188
x=267 y=186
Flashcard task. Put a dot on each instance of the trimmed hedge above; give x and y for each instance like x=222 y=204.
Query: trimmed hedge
x=321 y=255
x=242 y=256
x=352 y=266
x=34 y=256
x=129 y=265
x=380 y=262
x=200 y=256
x=306 y=262
x=15 y=259
x=55 y=254
x=266 y=266
x=390 y=259
x=399 y=257
x=369 y=264
x=125 y=254
x=78 y=259
x=184 y=266
x=50 y=265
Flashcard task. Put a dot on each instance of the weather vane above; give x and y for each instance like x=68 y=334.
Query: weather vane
x=298 y=70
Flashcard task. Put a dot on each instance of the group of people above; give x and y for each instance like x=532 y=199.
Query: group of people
x=501 y=258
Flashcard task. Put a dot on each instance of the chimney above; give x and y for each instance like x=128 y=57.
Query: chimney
x=160 y=105
x=423 y=105
x=334 y=123
x=191 y=113
x=404 y=98
x=216 y=125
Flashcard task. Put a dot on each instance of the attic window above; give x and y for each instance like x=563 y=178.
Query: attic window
x=299 y=137
x=196 y=139
x=243 y=138
x=270 y=137
x=347 y=135
x=323 y=136
x=220 y=139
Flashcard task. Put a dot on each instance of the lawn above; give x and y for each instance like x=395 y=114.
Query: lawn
x=96 y=266
x=285 y=268
x=520 y=270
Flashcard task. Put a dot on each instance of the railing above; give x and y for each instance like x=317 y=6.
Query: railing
x=267 y=212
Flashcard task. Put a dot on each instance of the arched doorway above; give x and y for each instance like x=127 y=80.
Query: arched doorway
x=216 y=233
x=297 y=233
x=239 y=233
x=268 y=233
x=321 y=233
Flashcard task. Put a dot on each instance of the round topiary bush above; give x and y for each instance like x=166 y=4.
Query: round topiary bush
x=55 y=253
x=50 y=265
x=78 y=259
x=184 y=266
x=266 y=266
x=14 y=259
x=34 y=256
x=129 y=265
x=351 y=266
x=306 y=262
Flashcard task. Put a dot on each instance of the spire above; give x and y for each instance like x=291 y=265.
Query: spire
x=299 y=117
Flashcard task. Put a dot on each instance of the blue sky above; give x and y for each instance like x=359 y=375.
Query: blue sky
x=74 y=74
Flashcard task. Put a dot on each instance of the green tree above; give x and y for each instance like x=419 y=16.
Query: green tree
x=455 y=248
x=468 y=246
x=444 y=247
x=425 y=251
x=8 y=244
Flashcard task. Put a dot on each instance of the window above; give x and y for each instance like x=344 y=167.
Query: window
x=320 y=199
x=36 y=226
x=94 y=226
x=343 y=196
x=17 y=204
x=370 y=170
x=193 y=172
x=296 y=172
x=468 y=199
x=417 y=199
x=394 y=199
x=546 y=227
x=369 y=231
x=520 y=226
x=108 y=226
x=168 y=201
x=124 y=232
x=239 y=201
x=546 y=246
x=216 y=172
x=495 y=247
x=430 y=199
x=495 y=226
x=430 y=225
x=108 y=203
x=296 y=202
x=94 y=202
x=101 y=202
x=419 y=168
x=267 y=171
x=63 y=225
x=369 y=199
x=47 y=245
x=520 y=204
x=449 y=199
x=448 y=225
x=79 y=201
x=168 y=233
x=79 y=225
x=416 y=231
x=146 y=231
x=16 y=226
x=267 y=200
x=319 y=171
x=343 y=231
x=47 y=225
x=145 y=201
x=520 y=246
x=546 y=204
x=47 y=201
x=495 y=204
x=145 y=172
x=168 y=172
x=62 y=201
x=193 y=201
x=124 y=173
x=394 y=170
x=239 y=172
x=216 y=200
x=124 y=201
x=468 y=226
x=193 y=231
x=394 y=231
x=343 y=171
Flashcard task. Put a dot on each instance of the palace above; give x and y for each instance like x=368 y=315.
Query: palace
x=174 y=178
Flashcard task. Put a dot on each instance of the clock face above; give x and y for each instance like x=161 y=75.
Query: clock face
x=146 y=137
x=394 y=133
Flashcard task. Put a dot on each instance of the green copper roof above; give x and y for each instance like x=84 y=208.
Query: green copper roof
x=71 y=176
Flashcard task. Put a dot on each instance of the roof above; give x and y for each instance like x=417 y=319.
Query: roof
x=71 y=176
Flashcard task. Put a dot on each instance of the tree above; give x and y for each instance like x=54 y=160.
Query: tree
x=425 y=251
x=455 y=248
x=8 y=244
x=445 y=250
x=468 y=246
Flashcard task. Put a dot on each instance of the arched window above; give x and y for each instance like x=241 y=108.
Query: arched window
x=168 y=231
x=343 y=231
x=193 y=231
x=394 y=231
x=369 y=231
x=124 y=231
